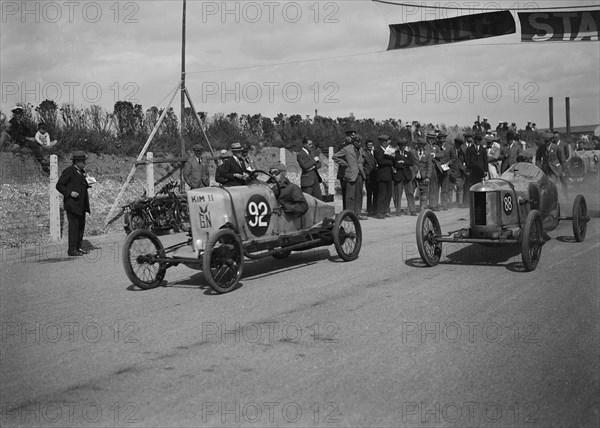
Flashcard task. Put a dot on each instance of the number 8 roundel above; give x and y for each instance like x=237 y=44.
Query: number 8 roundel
x=258 y=215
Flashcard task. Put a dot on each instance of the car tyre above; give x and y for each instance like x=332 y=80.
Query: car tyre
x=347 y=235
x=428 y=228
x=532 y=241
x=141 y=250
x=580 y=218
x=223 y=261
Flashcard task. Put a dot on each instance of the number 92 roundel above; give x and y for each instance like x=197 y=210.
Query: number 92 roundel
x=258 y=215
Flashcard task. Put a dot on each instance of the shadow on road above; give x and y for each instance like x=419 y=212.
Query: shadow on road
x=253 y=270
x=477 y=255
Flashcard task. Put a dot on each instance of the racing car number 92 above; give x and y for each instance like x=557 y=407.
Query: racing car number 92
x=258 y=215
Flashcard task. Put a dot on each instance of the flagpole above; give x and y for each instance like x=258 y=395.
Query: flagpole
x=181 y=120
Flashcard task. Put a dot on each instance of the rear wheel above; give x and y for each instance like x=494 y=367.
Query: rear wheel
x=223 y=260
x=532 y=241
x=141 y=250
x=580 y=218
x=347 y=235
x=428 y=229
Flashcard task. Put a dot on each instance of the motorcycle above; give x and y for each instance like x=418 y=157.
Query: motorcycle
x=161 y=213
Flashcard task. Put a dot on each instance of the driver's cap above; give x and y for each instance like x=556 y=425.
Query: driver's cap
x=277 y=169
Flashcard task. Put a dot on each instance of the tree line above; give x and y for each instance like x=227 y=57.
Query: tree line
x=125 y=130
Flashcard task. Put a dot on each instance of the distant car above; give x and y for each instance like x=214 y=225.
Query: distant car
x=581 y=163
x=515 y=209
x=229 y=224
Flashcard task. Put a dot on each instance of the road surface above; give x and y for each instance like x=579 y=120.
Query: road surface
x=309 y=341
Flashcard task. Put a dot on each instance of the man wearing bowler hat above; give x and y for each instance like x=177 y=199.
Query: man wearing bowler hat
x=234 y=170
x=73 y=185
x=195 y=171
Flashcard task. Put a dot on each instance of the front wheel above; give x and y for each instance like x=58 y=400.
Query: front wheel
x=532 y=241
x=347 y=235
x=580 y=218
x=223 y=261
x=428 y=229
x=133 y=220
x=141 y=254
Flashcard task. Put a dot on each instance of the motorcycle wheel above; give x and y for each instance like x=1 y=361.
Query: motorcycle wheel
x=133 y=221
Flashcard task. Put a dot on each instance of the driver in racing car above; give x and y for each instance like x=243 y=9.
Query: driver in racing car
x=289 y=195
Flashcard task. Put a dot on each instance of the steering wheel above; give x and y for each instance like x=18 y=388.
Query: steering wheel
x=252 y=176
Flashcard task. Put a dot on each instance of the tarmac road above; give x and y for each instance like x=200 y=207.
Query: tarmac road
x=309 y=341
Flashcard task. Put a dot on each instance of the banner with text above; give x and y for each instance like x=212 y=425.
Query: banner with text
x=581 y=25
x=451 y=30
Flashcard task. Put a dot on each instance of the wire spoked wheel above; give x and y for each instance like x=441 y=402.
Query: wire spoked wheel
x=133 y=221
x=580 y=218
x=141 y=257
x=222 y=261
x=347 y=235
x=428 y=229
x=533 y=239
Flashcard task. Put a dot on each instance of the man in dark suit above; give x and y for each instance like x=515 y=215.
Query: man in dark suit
x=370 y=167
x=512 y=151
x=403 y=178
x=195 y=171
x=445 y=160
x=310 y=180
x=73 y=185
x=477 y=161
x=551 y=159
x=234 y=170
x=458 y=172
x=385 y=162
x=434 y=186
x=351 y=158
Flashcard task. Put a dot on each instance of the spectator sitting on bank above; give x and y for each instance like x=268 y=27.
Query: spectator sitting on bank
x=42 y=136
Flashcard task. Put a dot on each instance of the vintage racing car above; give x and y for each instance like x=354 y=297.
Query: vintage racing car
x=581 y=163
x=515 y=209
x=229 y=224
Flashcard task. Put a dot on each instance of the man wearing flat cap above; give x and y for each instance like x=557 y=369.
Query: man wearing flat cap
x=423 y=171
x=341 y=172
x=234 y=170
x=352 y=158
x=289 y=195
x=195 y=171
x=73 y=185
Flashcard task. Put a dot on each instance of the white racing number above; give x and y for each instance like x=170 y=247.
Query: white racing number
x=258 y=215
x=507 y=203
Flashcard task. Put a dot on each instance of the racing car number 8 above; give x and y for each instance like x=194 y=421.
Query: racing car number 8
x=258 y=215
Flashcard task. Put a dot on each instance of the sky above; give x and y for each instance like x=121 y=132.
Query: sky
x=291 y=57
